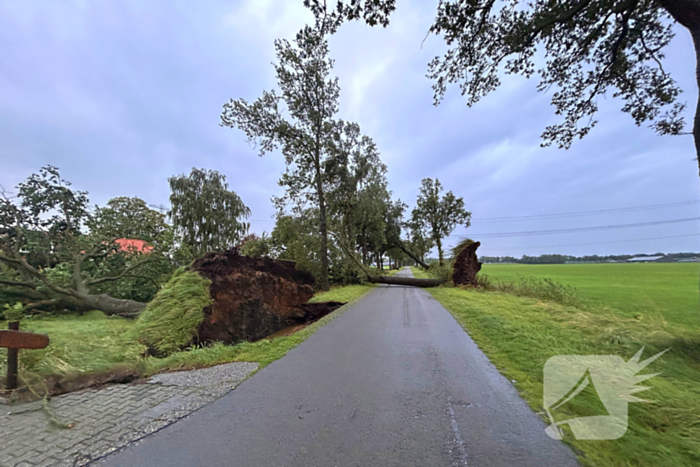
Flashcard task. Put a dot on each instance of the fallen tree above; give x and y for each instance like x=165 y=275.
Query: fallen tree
x=391 y=280
x=227 y=297
x=47 y=221
x=400 y=245
x=412 y=281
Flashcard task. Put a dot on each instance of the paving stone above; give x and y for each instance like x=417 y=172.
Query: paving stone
x=108 y=418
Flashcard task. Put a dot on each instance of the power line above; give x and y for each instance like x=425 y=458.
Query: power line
x=586 y=213
x=599 y=243
x=579 y=229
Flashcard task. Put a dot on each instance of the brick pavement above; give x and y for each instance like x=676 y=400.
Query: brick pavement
x=109 y=418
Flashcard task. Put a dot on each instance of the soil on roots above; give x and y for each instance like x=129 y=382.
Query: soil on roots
x=254 y=297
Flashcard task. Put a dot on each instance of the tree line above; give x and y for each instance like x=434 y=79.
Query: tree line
x=561 y=259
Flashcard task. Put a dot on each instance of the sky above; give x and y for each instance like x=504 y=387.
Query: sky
x=121 y=95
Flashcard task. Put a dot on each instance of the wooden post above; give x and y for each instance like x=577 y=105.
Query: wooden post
x=12 y=360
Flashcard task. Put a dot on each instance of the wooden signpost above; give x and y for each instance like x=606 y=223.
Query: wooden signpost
x=13 y=339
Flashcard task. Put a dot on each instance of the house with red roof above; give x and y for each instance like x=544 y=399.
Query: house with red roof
x=131 y=245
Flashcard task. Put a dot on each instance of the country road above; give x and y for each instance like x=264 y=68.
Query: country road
x=392 y=381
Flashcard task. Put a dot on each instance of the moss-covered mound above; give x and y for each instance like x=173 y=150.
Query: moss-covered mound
x=170 y=321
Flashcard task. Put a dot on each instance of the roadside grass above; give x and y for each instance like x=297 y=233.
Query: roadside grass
x=519 y=334
x=94 y=344
x=419 y=273
x=345 y=293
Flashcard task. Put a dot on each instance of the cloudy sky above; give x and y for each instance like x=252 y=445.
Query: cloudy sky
x=123 y=94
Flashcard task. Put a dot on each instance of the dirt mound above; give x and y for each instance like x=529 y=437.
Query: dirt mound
x=254 y=297
x=466 y=266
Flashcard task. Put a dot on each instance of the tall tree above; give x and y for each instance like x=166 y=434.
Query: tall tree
x=299 y=121
x=590 y=47
x=51 y=219
x=358 y=197
x=206 y=215
x=438 y=215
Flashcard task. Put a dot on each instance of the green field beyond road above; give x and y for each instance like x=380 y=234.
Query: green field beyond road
x=669 y=289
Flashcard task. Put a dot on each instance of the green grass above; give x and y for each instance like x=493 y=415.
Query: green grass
x=78 y=344
x=519 y=334
x=347 y=293
x=667 y=289
x=420 y=273
x=94 y=344
x=170 y=321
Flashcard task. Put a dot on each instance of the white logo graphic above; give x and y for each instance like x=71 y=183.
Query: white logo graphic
x=614 y=381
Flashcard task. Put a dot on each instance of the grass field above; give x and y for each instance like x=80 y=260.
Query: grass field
x=94 y=344
x=668 y=289
x=625 y=307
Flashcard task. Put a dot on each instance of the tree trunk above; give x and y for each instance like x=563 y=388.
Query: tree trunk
x=687 y=13
x=54 y=301
x=324 y=245
x=439 y=247
x=412 y=281
x=696 y=123
x=324 y=226
x=113 y=306
x=415 y=258
x=364 y=245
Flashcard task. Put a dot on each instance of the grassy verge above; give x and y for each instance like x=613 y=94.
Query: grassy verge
x=420 y=273
x=519 y=334
x=94 y=344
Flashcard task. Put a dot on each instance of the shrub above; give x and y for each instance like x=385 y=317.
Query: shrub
x=444 y=272
x=170 y=321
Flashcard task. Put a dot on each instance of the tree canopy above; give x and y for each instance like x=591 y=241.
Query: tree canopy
x=437 y=215
x=300 y=121
x=206 y=215
x=590 y=48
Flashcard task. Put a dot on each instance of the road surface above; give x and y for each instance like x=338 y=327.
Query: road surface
x=393 y=381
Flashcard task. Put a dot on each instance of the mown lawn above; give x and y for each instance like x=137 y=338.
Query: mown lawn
x=519 y=334
x=94 y=344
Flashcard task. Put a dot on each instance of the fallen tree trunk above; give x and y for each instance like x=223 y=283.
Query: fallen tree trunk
x=410 y=254
x=411 y=281
x=393 y=280
x=110 y=306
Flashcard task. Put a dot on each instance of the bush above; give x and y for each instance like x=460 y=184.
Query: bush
x=170 y=321
x=443 y=273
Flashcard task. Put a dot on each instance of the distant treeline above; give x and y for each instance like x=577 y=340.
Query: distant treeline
x=561 y=259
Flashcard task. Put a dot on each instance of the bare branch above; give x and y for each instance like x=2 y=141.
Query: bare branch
x=125 y=273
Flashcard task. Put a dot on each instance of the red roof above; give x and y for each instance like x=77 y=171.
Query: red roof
x=130 y=244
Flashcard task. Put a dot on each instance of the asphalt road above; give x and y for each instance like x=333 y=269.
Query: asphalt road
x=393 y=381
